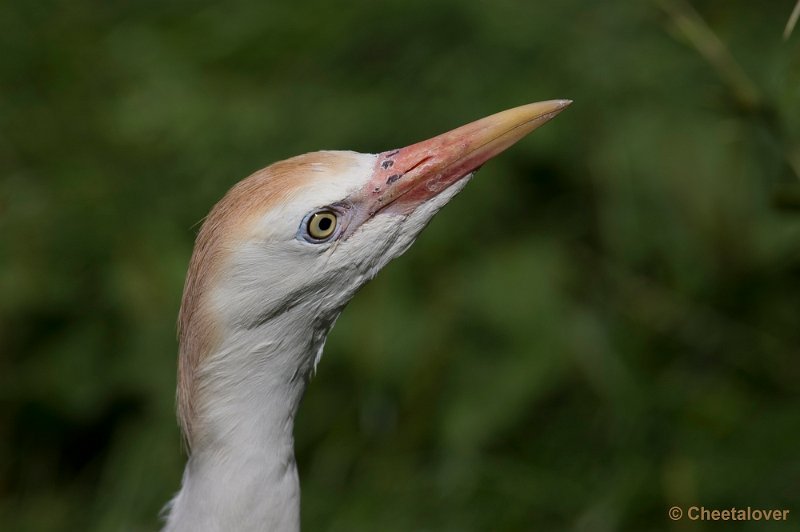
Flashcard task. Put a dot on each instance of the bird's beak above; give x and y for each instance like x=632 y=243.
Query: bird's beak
x=405 y=178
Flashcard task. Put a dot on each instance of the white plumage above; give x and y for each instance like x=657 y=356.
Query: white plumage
x=266 y=284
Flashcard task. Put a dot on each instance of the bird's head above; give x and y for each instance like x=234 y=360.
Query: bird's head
x=295 y=240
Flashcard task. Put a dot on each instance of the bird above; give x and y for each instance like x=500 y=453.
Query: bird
x=275 y=262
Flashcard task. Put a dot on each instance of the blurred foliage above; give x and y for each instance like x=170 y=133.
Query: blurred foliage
x=603 y=325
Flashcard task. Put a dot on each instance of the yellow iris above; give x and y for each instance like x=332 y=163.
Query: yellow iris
x=322 y=224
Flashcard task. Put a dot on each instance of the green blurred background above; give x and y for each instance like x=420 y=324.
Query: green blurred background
x=603 y=325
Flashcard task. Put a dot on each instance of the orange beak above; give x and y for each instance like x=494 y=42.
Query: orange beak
x=405 y=178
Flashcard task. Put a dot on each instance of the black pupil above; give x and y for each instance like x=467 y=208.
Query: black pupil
x=325 y=223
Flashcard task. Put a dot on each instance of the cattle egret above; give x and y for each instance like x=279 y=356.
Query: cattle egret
x=274 y=264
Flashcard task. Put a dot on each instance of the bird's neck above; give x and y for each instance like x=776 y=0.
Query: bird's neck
x=241 y=474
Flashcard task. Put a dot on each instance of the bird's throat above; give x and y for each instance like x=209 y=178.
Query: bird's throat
x=242 y=463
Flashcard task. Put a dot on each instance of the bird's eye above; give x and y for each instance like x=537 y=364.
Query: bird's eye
x=322 y=224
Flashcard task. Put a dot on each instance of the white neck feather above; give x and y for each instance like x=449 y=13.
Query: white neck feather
x=241 y=474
